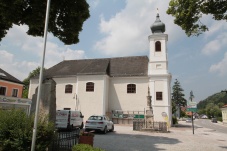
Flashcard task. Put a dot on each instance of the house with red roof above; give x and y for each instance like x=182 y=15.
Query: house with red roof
x=9 y=85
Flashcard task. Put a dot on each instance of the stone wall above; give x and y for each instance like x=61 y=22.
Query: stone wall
x=47 y=100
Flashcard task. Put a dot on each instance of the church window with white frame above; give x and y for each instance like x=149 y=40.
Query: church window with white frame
x=157 y=46
x=159 y=96
x=90 y=87
x=131 y=88
x=68 y=88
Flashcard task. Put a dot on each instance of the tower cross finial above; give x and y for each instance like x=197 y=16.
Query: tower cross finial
x=157 y=11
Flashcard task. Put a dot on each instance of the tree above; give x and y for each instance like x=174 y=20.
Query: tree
x=213 y=110
x=187 y=13
x=27 y=81
x=65 y=21
x=178 y=95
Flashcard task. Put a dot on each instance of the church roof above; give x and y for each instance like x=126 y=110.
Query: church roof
x=7 y=77
x=114 y=67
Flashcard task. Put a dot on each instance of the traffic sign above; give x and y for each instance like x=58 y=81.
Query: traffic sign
x=192 y=109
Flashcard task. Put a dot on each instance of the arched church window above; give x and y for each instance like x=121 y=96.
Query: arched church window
x=131 y=88
x=157 y=46
x=68 y=88
x=90 y=87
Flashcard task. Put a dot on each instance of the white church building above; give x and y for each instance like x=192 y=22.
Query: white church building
x=116 y=87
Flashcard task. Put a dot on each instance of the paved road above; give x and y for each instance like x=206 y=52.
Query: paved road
x=179 y=139
x=213 y=126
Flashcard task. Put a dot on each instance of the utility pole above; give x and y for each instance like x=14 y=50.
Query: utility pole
x=191 y=97
x=40 y=79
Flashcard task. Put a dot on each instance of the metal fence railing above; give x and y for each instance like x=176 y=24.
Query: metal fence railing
x=140 y=124
x=65 y=140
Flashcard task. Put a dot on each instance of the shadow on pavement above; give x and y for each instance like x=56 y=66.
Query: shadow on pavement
x=127 y=142
x=225 y=147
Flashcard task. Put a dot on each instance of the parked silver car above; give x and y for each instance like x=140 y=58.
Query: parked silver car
x=99 y=123
x=188 y=120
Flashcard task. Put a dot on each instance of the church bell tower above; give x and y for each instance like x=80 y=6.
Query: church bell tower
x=159 y=78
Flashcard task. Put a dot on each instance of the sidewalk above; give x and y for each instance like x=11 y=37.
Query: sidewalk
x=220 y=123
x=179 y=138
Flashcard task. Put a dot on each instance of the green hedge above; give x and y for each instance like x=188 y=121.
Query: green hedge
x=85 y=147
x=174 y=119
x=219 y=119
x=16 y=129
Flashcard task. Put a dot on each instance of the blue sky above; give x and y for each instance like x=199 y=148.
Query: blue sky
x=120 y=28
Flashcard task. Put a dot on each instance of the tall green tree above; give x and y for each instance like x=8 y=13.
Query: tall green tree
x=187 y=13
x=178 y=96
x=65 y=20
x=27 y=81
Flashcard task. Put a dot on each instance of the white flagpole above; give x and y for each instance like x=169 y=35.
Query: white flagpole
x=40 y=78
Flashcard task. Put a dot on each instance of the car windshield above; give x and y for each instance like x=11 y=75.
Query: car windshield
x=95 y=118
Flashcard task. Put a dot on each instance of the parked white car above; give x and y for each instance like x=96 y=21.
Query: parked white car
x=67 y=119
x=99 y=123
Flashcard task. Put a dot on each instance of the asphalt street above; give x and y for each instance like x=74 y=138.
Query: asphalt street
x=219 y=127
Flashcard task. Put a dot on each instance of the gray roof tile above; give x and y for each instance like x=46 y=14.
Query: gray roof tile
x=118 y=67
x=7 y=77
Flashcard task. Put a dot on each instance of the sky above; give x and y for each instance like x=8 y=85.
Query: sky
x=119 y=28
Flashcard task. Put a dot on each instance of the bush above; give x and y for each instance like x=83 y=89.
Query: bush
x=16 y=129
x=174 y=119
x=219 y=119
x=85 y=147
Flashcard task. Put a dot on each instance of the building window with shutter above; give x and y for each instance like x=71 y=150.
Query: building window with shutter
x=157 y=46
x=90 y=87
x=159 y=96
x=131 y=88
x=14 y=92
x=69 y=88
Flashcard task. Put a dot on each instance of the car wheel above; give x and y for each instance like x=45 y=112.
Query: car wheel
x=112 y=129
x=82 y=125
x=105 y=130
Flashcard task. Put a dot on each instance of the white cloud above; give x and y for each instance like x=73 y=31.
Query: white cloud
x=211 y=47
x=214 y=26
x=215 y=45
x=30 y=47
x=5 y=57
x=220 y=67
x=19 y=70
x=126 y=33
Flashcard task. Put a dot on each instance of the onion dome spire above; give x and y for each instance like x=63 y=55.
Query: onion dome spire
x=158 y=26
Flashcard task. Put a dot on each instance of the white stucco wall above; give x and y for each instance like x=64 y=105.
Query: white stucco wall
x=65 y=100
x=119 y=99
x=33 y=85
x=224 y=115
x=158 y=56
x=91 y=103
x=161 y=84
